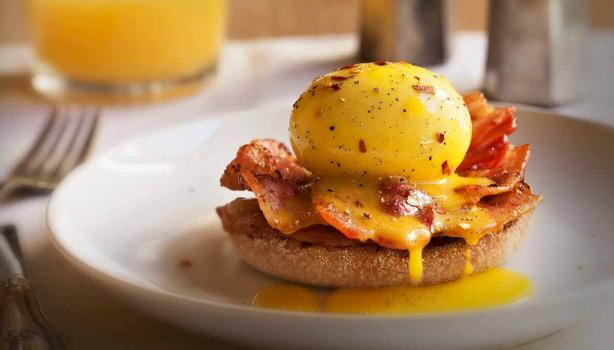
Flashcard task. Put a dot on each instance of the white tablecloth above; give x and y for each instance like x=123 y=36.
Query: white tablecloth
x=252 y=73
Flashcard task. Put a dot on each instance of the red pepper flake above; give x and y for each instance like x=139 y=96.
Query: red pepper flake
x=362 y=146
x=185 y=263
x=427 y=216
x=427 y=89
x=358 y=203
x=445 y=168
x=336 y=86
x=440 y=137
x=439 y=210
x=381 y=63
x=338 y=78
x=347 y=66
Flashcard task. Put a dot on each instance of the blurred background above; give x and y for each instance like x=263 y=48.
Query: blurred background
x=249 y=19
x=274 y=49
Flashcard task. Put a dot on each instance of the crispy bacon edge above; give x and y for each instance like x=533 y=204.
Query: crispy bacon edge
x=281 y=185
x=509 y=206
x=263 y=157
x=490 y=130
x=507 y=175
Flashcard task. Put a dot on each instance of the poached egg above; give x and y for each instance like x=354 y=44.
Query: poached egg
x=365 y=122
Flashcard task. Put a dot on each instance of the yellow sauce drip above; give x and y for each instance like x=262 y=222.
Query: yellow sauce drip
x=415 y=265
x=468 y=269
x=495 y=287
x=287 y=297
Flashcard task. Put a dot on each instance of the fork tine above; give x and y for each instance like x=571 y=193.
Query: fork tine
x=89 y=138
x=82 y=143
x=48 y=145
x=62 y=149
x=40 y=140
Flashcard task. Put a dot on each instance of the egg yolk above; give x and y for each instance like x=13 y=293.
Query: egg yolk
x=363 y=122
x=381 y=119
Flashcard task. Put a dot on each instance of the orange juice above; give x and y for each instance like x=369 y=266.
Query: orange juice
x=127 y=41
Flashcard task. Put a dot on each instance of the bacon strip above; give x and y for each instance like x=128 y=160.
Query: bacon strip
x=343 y=222
x=265 y=156
x=489 y=141
x=267 y=168
x=503 y=208
x=509 y=206
x=477 y=105
x=285 y=204
x=507 y=175
x=349 y=226
x=244 y=216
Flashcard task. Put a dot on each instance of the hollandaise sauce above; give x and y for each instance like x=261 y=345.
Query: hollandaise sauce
x=495 y=287
x=355 y=206
x=415 y=267
x=468 y=269
x=288 y=297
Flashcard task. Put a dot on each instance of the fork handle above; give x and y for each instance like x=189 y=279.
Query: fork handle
x=22 y=323
x=11 y=257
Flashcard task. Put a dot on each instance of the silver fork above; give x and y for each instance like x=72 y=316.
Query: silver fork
x=62 y=145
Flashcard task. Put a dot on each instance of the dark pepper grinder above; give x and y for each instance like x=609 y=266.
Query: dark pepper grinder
x=535 y=51
x=411 y=30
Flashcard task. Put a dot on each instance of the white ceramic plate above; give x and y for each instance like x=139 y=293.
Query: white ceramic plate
x=128 y=217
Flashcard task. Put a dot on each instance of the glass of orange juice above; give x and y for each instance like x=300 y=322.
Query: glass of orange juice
x=124 y=47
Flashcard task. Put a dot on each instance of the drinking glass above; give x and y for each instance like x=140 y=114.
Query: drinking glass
x=124 y=47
